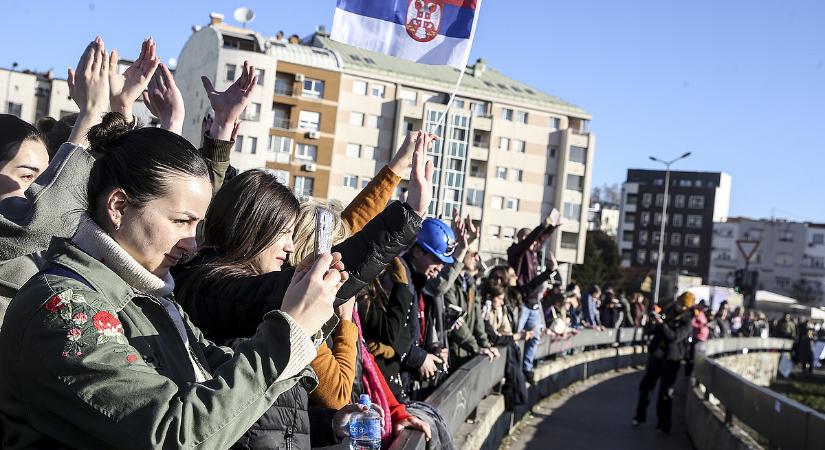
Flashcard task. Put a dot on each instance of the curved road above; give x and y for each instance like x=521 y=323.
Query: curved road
x=600 y=418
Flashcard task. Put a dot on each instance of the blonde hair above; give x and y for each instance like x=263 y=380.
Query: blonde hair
x=304 y=237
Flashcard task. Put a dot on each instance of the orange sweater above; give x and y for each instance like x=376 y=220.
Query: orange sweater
x=336 y=368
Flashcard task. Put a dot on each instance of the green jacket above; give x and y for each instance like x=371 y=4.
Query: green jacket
x=88 y=362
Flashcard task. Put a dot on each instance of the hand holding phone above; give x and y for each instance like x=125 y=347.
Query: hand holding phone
x=323 y=231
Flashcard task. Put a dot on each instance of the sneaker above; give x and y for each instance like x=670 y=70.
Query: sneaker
x=530 y=377
x=636 y=423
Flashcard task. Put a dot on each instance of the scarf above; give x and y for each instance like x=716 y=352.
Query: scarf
x=371 y=382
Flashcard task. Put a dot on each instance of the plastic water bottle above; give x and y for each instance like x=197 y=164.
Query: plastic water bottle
x=365 y=427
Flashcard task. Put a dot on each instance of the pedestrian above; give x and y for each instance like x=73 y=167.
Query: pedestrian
x=668 y=346
x=700 y=333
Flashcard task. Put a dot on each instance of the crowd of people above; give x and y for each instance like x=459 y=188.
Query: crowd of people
x=152 y=296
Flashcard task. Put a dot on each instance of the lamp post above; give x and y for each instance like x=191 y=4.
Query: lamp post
x=664 y=221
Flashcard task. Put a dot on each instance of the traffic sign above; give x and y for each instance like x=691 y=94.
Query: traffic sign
x=747 y=248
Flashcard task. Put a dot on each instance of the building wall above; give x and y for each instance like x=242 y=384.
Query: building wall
x=19 y=88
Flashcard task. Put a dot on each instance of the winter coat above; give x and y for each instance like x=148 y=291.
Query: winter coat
x=526 y=262
x=99 y=364
x=669 y=340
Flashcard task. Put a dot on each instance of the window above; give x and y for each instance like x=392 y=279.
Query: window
x=409 y=96
x=551 y=151
x=504 y=144
x=783 y=282
x=786 y=236
x=304 y=186
x=377 y=90
x=518 y=175
x=657 y=218
x=521 y=117
x=230 y=72
x=260 y=74
x=643 y=236
x=512 y=204
x=550 y=179
x=365 y=181
x=572 y=211
x=475 y=197
x=280 y=144
x=518 y=146
x=660 y=199
x=575 y=182
x=508 y=233
x=313 y=88
x=368 y=152
x=694 y=221
x=627 y=236
x=252 y=112
x=753 y=234
x=507 y=114
x=674 y=259
x=677 y=220
x=657 y=236
x=641 y=256
x=501 y=173
x=676 y=239
x=578 y=154
x=680 y=202
x=356 y=119
x=496 y=202
x=353 y=150
x=647 y=199
x=309 y=120
x=654 y=256
x=696 y=202
x=632 y=199
x=645 y=219
x=493 y=231
x=683 y=183
x=479 y=109
x=253 y=145
x=659 y=182
x=818 y=239
x=690 y=259
x=784 y=260
x=359 y=87
x=306 y=152
x=282 y=176
x=817 y=262
x=629 y=217
x=239 y=144
x=692 y=240
x=555 y=123
x=15 y=109
x=283 y=83
x=374 y=121
x=569 y=240
x=350 y=181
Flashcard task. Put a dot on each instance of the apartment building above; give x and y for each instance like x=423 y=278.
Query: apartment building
x=330 y=116
x=790 y=257
x=695 y=201
x=32 y=95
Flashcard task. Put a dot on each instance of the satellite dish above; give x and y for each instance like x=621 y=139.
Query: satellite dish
x=244 y=15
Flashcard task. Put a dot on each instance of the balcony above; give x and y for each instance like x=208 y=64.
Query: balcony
x=285 y=91
x=482 y=123
x=281 y=123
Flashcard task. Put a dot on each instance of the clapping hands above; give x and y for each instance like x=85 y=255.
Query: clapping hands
x=229 y=104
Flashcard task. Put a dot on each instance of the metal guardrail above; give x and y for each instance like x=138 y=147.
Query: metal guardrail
x=786 y=424
x=461 y=393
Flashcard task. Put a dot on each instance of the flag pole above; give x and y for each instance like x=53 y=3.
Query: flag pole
x=443 y=118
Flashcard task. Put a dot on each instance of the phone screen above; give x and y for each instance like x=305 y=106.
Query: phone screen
x=323 y=231
x=554 y=217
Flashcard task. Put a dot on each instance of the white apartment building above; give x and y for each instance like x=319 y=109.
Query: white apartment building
x=790 y=257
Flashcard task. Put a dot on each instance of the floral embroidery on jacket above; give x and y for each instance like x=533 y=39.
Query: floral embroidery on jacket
x=82 y=333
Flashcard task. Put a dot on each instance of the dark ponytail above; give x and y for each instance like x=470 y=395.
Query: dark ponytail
x=139 y=161
x=13 y=132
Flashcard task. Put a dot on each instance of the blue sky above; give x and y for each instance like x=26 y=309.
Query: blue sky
x=739 y=83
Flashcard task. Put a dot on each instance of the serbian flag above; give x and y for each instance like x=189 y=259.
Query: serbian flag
x=424 y=31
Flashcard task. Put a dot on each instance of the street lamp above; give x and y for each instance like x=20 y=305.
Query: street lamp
x=664 y=221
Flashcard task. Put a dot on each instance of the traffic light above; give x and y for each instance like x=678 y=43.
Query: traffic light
x=739 y=280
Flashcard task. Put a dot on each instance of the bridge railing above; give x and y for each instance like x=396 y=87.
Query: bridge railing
x=461 y=393
x=786 y=424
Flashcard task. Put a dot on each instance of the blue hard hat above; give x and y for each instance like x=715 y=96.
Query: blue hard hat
x=437 y=238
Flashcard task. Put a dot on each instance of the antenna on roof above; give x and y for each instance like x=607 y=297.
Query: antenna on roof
x=244 y=15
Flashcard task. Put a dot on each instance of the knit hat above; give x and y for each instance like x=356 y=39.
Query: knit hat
x=687 y=300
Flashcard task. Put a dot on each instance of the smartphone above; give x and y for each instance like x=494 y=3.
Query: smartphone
x=454 y=326
x=554 y=217
x=323 y=231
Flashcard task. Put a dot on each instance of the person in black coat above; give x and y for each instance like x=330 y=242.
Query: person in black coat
x=668 y=347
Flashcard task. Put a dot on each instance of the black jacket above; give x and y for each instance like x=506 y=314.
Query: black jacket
x=230 y=309
x=669 y=340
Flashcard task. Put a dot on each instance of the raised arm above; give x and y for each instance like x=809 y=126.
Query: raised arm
x=126 y=88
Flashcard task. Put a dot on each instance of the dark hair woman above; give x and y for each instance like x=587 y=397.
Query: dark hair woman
x=23 y=156
x=240 y=272
x=115 y=362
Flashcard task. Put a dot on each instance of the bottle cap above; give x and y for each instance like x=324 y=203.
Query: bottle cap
x=364 y=399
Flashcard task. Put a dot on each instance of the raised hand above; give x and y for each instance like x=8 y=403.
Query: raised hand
x=163 y=99
x=89 y=87
x=403 y=157
x=126 y=88
x=310 y=295
x=472 y=230
x=229 y=104
x=421 y=191
x=459 y=229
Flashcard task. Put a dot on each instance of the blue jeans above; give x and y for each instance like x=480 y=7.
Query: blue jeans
x=533 y=320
